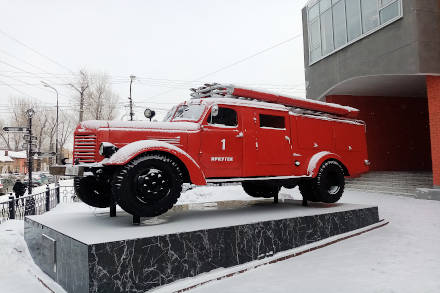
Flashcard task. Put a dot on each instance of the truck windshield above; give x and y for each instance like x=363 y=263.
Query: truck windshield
x=169 y=114
x=189 y=112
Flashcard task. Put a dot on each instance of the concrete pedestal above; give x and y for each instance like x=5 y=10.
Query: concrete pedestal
x=88 y=252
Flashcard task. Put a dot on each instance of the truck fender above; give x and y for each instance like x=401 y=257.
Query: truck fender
x=131 y=150
x=317 y=159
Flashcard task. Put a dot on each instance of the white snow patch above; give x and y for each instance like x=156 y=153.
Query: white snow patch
x=18 y=272
x=245 y=103
x=141 y=125
x=314 y=161
x=124 y=153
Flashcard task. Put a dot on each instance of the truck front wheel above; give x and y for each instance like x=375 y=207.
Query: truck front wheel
x=148 y=185
x=92 y=192
x=260 y=189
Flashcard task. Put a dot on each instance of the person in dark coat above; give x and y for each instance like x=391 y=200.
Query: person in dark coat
x=19 y=188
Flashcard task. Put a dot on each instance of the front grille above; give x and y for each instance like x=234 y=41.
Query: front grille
x=84 y=148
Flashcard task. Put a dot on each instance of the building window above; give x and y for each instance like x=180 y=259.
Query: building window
x=334 y=24
x=339 y=24
x=354 y=27
x=370 y=15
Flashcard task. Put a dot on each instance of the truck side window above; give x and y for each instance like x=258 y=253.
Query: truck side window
x=272 y=121
x=226 y=116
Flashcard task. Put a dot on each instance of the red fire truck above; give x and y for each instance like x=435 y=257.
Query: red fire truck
x=222 y=134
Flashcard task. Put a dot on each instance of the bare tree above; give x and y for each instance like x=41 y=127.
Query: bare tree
x=100 y=99
x=4 y=136
x=18 y=118
x=96 y=100
x=66 y=128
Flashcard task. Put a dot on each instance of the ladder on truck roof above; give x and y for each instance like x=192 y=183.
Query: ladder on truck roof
x=231 y=91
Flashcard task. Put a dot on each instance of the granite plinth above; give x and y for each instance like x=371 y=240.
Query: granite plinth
x=88 y=252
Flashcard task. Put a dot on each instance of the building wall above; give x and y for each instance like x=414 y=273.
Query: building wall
x=433 y=87
x=407 y=46
x=428 y=35
x=397 y=131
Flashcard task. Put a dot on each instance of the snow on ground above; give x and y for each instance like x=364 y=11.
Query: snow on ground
x=18 y=273
x=403 y=256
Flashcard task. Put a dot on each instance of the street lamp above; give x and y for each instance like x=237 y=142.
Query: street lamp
x=132 y=77
x=56 y=137
x=30 y=113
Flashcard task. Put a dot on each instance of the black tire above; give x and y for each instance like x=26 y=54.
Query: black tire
x=92 y=192
x=260 y=189
x=307 y=191
x=327 y=186
x=148 y=185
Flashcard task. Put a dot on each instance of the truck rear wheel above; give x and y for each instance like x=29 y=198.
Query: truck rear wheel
x=327 y=186
x=260 y=189
x=148 y=186
x=92 y=192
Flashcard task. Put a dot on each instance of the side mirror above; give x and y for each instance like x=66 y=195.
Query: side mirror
x=214 y=110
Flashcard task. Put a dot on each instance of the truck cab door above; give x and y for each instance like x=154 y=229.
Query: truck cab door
x=221 y=144
x=273 y=144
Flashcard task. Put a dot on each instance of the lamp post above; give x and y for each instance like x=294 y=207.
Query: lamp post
x=132 y=77
x=56 y=134
x=30 y=113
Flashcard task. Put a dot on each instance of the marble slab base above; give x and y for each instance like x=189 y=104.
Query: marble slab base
x=88 y=252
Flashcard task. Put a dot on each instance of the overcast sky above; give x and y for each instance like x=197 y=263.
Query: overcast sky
x=170 y=45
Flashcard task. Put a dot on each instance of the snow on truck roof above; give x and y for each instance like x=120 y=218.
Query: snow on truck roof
x=216 y=90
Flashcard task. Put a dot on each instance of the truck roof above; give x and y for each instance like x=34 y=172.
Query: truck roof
x=216 y=90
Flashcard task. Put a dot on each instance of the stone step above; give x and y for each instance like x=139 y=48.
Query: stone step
x=393 y=182
x=385 y=187
x=397 y=175
x=385 y=192
x=390 y=184
x=382 y=177
x=385 y=181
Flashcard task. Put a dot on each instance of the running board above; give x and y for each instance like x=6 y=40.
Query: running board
x=236 y=179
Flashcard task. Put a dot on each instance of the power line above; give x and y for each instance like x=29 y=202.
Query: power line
x=17 y=90
x=35 y=51
x=24 y=61
x=21 y=69
x=239 y=61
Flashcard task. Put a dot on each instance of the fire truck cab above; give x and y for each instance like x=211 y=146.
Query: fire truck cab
x=223 y=134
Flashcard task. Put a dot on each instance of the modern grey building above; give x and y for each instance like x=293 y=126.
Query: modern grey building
x=383 y=57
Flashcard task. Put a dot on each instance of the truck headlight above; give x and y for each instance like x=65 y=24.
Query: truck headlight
x=107 y=149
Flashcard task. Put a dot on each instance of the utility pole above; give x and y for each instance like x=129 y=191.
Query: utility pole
x=132 y=77
x=81 y=90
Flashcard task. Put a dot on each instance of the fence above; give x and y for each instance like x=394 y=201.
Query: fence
x=35 y=204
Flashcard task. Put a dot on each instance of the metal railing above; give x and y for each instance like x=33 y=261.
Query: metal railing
x=37 y=203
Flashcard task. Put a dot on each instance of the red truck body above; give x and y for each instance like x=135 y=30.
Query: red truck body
x=227 y=133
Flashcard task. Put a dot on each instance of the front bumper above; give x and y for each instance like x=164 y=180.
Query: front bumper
x=73 y=170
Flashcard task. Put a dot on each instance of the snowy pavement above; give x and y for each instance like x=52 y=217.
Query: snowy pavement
x=403 y=256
